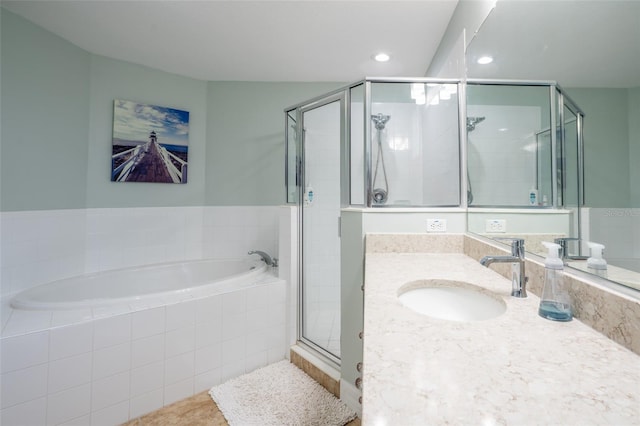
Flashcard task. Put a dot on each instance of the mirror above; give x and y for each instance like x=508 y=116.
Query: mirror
x=591 y=49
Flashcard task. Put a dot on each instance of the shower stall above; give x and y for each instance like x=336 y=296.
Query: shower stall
x=376 y=143
x=402 y=145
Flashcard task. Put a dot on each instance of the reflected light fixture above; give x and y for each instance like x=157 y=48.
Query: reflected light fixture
x=484 y=60
x=381 y=57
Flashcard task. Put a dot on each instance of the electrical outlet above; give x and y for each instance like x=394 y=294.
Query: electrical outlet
x=496 y=225
x=436 y=225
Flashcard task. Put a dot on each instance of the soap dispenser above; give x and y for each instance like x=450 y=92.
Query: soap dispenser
x=533 y=197
x=555 y=303
x=596 y=264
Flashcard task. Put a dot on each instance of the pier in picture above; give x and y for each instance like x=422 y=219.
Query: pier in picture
x=150 y=143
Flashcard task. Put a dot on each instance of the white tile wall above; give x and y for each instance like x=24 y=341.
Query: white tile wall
x=68 y=404
x=288 y=269
x=82 y=374
x=69 y=372
x=64 y=368
x=42 y=246
x=501 y=167
x=24 y=351
x=29 y=413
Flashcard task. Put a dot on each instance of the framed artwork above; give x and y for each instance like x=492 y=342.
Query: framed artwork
x=150 y=143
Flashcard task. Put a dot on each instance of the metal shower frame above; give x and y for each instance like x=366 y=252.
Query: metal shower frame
x=558 y=99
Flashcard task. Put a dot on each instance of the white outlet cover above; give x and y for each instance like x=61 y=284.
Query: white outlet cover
x=436 y=225
x=496 y=226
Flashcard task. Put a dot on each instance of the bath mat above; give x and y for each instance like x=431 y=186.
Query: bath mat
x=279 y=394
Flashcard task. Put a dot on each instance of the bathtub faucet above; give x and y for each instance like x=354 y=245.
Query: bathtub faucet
x=267 y=259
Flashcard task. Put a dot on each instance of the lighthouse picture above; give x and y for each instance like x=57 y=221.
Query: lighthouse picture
x=150 y=143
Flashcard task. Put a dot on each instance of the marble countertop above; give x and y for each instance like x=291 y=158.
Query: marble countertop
x=516 y=369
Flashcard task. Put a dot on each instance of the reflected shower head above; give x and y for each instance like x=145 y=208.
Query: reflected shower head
x=472 y=122
x=380 y=120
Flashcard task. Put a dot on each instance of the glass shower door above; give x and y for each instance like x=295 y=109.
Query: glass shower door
x=320 y=226
x=571 y=162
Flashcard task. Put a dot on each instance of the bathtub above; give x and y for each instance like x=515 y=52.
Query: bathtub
x=108 y=347
x=163 y=283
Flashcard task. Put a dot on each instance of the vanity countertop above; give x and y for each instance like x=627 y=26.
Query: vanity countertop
x=516 y=369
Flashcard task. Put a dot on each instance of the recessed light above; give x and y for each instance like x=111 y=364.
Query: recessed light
x=484 y=60
x=381 y=57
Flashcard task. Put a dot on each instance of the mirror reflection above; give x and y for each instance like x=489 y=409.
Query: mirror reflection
x=595 y=57
x=509 y=145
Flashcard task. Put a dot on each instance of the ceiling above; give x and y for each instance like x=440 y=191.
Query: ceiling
x=593 y=43
x=301 y=40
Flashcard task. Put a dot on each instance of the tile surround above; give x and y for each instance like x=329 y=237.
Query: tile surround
x=43 y=246
x=80 y=373
x=132 y=359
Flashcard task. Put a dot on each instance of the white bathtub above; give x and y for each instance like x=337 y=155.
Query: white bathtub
x=108 y=347
x=170 y=282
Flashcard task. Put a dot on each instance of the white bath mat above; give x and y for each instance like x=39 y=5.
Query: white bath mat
x=279 y=394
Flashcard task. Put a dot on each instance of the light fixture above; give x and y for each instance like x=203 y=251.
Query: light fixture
x=381 y=57
x=484 y=60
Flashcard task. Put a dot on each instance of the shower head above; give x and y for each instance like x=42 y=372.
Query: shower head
x=472 y=122
x=380 y=120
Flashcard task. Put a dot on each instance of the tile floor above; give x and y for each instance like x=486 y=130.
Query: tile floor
x=198 y=410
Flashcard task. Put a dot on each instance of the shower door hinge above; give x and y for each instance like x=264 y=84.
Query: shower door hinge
x=339 y=226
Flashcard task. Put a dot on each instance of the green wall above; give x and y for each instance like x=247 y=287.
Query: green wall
x=606 y=145
x=112 y=79
x=56 y=128
x=45 y=118
x=634 y=145
x=245 y=160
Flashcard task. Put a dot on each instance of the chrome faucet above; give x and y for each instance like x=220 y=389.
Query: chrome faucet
x=518 y=278
x=267 y=259
x=564 y=249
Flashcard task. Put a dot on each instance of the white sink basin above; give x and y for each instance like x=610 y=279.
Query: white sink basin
x=451 y=300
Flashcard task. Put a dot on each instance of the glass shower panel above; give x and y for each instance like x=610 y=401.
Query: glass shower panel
x=292 y=159
x=356 y=143
x=544 y=162
x=571 y=186
x=320 y=293
x=415 y=147
x=509 y=145
x=571 y=173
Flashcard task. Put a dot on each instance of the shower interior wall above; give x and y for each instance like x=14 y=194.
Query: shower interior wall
x=416 y=139
x=410 y=146
x=495 y=152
